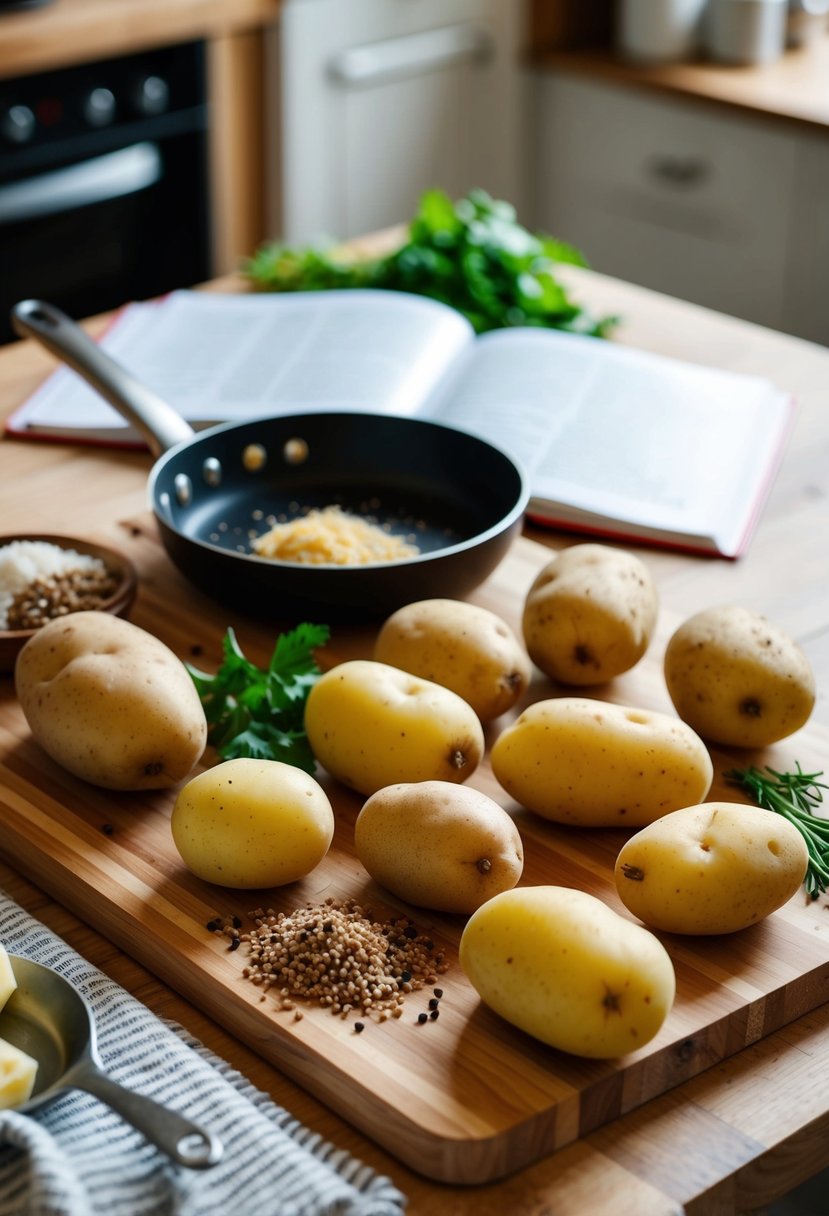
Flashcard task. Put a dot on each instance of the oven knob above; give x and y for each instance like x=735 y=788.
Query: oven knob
x=17 y=124
x=151 y=95
x=99 y=107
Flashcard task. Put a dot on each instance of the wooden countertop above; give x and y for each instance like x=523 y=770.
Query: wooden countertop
x=65 y=32
x=742 y=1133
x=792 y=90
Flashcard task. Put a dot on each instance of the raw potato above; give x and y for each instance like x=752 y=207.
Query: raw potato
x=595 y=764
x=561 y=965
x=461 y=646
x=110 y=702
x=252 y=823
x=714 y=868
x=438 y=845
x=372 y=725
x=590 y=614
x=738 y=679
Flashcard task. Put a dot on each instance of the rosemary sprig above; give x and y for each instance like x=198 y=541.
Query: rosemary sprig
x=794 y=796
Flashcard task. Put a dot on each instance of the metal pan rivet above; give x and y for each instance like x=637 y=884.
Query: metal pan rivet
x=183 y=487
x=212 y=471
x=295 y=451
x=254 y=457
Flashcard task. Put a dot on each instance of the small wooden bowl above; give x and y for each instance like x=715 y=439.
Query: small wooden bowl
x=119 y=603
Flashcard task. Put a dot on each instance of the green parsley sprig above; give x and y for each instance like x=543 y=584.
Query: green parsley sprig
x=259 y=712
x=795 y=796
x=471 y=254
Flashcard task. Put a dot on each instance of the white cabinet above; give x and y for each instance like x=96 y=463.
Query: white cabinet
x=375 y=101
x=807 y=296
x=687 y=198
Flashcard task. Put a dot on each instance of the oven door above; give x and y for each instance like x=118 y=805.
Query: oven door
x=93 y=234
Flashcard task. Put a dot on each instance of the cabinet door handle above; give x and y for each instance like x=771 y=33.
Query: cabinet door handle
x=683 y=172
x=93 y=181
x=379 y=62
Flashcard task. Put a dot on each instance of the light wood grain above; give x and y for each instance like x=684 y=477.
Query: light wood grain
x=475 y=1100
x=742 y=1131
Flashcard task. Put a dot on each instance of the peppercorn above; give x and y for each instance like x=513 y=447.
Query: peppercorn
x=346 y=961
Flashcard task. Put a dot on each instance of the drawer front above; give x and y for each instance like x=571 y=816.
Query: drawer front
x=683 y=199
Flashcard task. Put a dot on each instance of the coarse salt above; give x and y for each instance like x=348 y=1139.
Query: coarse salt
x=23 y=562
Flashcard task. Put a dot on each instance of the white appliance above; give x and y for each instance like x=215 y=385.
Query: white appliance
x=371 y=102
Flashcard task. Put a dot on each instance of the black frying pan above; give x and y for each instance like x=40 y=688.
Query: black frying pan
x=461 y=498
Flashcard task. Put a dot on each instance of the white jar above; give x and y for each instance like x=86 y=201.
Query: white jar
x=658 y=31
x=746 y=31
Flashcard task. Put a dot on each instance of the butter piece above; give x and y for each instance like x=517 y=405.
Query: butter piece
x=17 y=1069
x=7 y=981
x=17 y=1075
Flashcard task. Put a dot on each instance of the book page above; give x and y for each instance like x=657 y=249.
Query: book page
x=217 y=357
x=617 y=432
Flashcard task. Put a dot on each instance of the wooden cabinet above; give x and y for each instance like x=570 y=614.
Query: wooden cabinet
x=720 y=207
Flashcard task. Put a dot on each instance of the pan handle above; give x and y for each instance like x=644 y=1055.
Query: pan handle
x=159 y=424
x=186 y=1142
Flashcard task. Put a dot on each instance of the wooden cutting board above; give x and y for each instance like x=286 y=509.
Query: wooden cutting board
x=466 y=1098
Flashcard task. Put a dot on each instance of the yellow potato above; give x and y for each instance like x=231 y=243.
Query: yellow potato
x=252 y=823
x=110 y=702
x=464 y=647
x=372 y=725
x=590 y=614
x=561 y=965
x=738 y=679
x=438 y=845
x=595 y=764
x=714 y=868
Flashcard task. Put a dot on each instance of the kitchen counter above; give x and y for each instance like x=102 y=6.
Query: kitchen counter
x=743 y=1132
x=791 y=90
x=69 y=31
x=64 y=32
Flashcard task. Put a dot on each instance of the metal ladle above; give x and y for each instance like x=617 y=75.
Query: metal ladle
x=48 y=1019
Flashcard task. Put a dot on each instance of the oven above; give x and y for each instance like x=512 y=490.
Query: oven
x=104 y=182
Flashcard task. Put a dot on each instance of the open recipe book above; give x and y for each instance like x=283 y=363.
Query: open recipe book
x=615 y=442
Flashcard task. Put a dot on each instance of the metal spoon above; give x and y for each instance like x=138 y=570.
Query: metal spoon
x=49 y=1020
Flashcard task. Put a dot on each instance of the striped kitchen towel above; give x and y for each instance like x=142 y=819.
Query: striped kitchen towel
x=76 y=1157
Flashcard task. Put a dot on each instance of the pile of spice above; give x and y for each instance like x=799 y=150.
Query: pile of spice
x=338 y=956
x=40 y=581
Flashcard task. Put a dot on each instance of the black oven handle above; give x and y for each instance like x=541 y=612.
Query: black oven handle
x=101 y=180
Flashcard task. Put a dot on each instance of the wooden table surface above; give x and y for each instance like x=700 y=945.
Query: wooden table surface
x=744 y=1132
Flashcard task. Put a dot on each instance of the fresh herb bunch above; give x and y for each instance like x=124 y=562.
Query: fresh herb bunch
x=259 y=713
x=471 y=254
x=795 y=796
